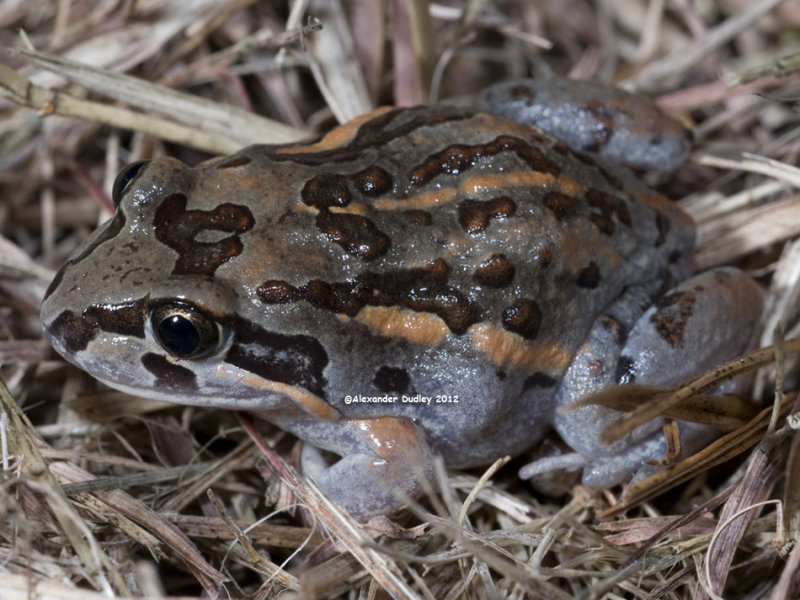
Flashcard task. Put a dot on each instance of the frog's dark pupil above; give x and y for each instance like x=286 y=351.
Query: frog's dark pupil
x=178 y=335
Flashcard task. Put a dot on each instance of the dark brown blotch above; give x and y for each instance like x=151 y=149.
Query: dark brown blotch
x=178 y=228
x=497 y=272
x=356 y=234
x=399 y=282
x=561 y=205
x=589 y=277
x=524 y=318
x=344 y=298
x=392 y=380
x=423 y=289
x=126 y=319
x=534 y=157
x=457 y=158
x=610 y=205
x=169 y=376
x=275 y=291
x=603 y=223
x=559 y=147
x=72 y=331
x=452 y=160
x=616 y=328
x=384 y=128
x=326 y=190
x=456 y=310
x=672 y=314
x=612 y=209
x=373 y=181
x=474 y=215
x=297 y=360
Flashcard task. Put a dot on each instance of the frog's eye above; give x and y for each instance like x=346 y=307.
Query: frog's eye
x=124 y=177
x=184 y=331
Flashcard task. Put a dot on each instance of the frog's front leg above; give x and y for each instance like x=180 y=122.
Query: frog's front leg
x=706 y=320
x=384 y=461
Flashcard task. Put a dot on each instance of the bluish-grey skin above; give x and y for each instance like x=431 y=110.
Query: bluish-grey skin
x=618 y=126
x=429 y=252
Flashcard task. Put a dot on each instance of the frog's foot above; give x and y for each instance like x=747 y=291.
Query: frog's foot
x=637 y=462
x=706 y=320
x=385 y=461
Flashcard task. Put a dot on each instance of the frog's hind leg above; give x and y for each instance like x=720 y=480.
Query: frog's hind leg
x=704 y=321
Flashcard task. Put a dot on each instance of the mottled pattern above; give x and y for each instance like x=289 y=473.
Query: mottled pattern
x=392 y=379
x=474 y=215
x=416 y=282
x=497 y=271
x=423 y=290
x=458 y=158
x=181 y=230
x=672 y=315
x=524 y=318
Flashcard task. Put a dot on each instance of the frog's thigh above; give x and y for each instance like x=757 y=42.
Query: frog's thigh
x=385 y=460
x=706 y=320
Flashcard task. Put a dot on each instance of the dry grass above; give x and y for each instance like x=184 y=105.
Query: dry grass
x=91 y=503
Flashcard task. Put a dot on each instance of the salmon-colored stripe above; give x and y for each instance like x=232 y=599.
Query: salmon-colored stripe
x=421 y=328
x=509 y=350
x=481 y=185
x=310 y=402
x=336 y=138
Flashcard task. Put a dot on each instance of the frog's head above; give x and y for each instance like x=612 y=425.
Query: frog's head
x=146 y=305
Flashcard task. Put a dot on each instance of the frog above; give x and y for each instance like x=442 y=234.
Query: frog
x=434 y=282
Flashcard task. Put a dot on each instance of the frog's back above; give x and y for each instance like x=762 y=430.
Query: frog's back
x=443 y=252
